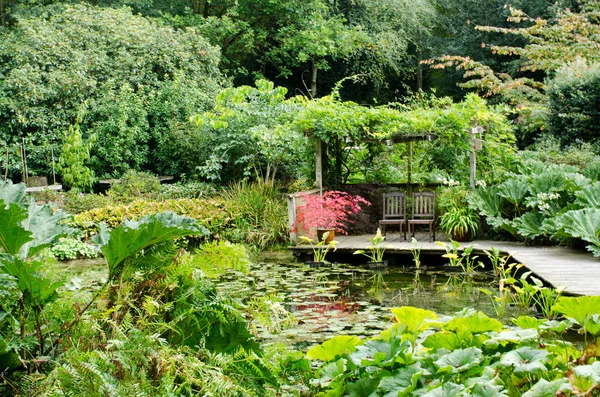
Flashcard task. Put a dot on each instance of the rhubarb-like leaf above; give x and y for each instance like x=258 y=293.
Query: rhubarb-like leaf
x=415 y=319
x=132 y=237
x=584 y=309
x=543 y=388
x=334 y=347
x=525 y=360
x=13 y=235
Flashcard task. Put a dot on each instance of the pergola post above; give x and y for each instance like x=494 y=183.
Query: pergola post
x=319 y=166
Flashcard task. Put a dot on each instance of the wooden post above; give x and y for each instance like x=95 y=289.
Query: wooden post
x=473 y=171
x=409 y=176
x=292 y=218
x=319 y=166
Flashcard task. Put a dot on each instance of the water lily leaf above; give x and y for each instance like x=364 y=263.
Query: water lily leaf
x=402 y=382
x=525 y=360
x=488 y=390
x=460 y=360
x=584 y=309
x=336 y=346
x=547 y=389
x=415 y=319
x=475 y=323
x=365 y=387
x=448 y=389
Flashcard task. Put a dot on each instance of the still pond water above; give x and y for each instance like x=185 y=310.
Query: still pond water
x=354 y=299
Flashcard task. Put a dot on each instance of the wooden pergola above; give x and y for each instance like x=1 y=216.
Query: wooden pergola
x=407 y=139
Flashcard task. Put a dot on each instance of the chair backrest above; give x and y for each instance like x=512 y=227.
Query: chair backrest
x=394 y=206
x=423 y=205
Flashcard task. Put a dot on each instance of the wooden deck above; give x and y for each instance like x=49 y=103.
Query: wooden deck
x=576 y=270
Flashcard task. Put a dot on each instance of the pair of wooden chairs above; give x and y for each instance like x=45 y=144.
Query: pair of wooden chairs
x=423 y=212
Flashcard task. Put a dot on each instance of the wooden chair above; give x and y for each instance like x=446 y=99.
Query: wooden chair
x=423 y=212
x=394 y=211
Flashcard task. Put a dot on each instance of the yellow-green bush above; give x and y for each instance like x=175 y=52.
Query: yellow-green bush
x=260 y=223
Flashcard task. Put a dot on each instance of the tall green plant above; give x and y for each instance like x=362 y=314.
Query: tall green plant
x=75 y=153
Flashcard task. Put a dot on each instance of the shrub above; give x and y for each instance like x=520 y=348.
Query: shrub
x=68 y=248
x=574 y=103
x=135 y=185
x=188 y=190
x=75 y=203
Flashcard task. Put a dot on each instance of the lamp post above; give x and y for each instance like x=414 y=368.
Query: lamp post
x=476 y=145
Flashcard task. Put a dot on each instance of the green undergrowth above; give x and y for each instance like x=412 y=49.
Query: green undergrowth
x=469 y=354
x=254 y=214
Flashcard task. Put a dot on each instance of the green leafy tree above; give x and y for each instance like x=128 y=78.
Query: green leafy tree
x=138 y=76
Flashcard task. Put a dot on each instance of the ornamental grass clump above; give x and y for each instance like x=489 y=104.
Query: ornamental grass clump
x=333 y=210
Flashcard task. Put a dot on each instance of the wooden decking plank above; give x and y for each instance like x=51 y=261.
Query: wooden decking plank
x=578 y=271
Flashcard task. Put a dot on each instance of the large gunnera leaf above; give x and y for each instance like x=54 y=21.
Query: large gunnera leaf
x=401 y=382
x=583 y=224
x=448 y=389
x=13 y=236
x=530 y=224
x=514 y=190
x=487 y=201
x=589 y=196
x=25 y=230
x=126 y=241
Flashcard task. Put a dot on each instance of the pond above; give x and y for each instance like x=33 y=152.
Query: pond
x=354 y=299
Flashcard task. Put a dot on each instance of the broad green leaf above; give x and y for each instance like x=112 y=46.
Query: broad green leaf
x=530 y=224
x=487 y=201
x=589 y=371
x=584 y=309
x=447 y=389
x=460 y=360
x=13 y=236
x=589 y=196
x=513 y=189
x=448 y=340
x=329 y=373
x=334 y=347
x=44 y=224
x=37 y=289
x=379 y=352
x=487 y=390
x=525 y=360
x=513 y=336
x=528 y=322
x=365 y=387
x=583 y=224
x=475 y=323
x=415 y=319
x=12 y=193
x=401 y=383
x=132 y=237
x=543 y=388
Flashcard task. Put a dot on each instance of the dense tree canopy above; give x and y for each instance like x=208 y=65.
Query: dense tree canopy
x=136 y=77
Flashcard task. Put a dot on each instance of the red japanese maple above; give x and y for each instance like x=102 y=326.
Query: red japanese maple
x=332 y=210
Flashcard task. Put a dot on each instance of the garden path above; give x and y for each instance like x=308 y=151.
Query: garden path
x=577 y=270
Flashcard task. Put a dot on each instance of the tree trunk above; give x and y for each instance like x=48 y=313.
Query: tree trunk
x=313 y=80
x=2 y=19
x=419 y=58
